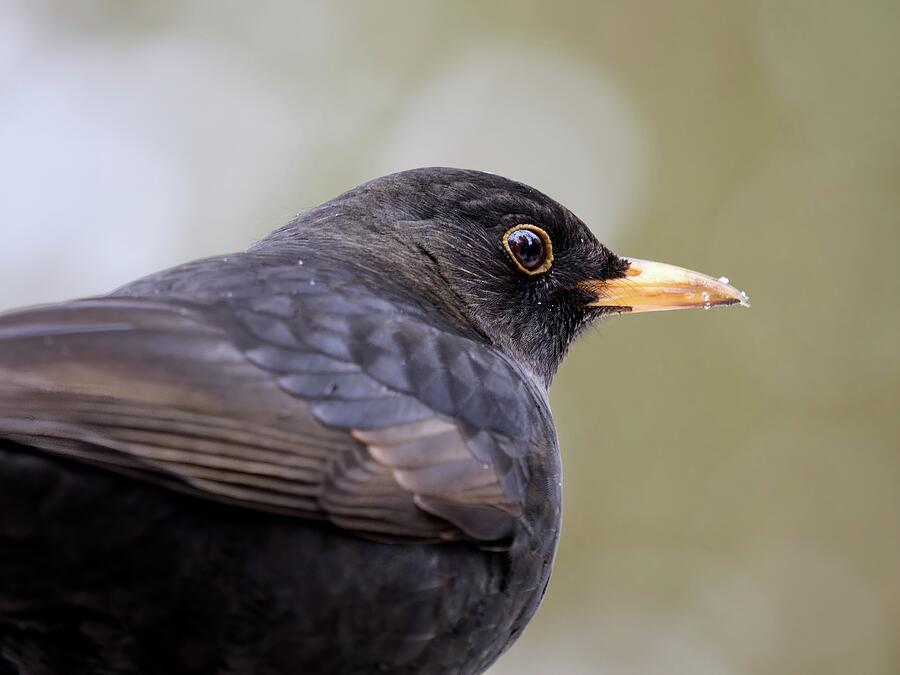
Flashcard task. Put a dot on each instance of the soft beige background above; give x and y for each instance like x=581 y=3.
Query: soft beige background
x=732 y=477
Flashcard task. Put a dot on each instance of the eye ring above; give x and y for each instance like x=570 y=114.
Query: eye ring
x=547 y=261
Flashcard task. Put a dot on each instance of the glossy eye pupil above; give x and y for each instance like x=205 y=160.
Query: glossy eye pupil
x=528 y=248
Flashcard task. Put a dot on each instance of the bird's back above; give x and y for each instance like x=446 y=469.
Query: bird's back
x=270 y=471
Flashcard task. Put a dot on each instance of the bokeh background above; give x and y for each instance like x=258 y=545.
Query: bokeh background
x=732 y=477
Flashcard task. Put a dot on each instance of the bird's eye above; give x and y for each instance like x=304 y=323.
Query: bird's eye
x=529 y=247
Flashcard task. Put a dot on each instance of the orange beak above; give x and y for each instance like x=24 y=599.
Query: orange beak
x=654 y=287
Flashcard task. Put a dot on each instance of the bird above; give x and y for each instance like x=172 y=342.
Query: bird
x=331 y=452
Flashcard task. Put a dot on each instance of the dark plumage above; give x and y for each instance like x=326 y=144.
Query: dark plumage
x=331 y=453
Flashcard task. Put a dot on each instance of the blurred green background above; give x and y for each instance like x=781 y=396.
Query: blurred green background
x=732 y=477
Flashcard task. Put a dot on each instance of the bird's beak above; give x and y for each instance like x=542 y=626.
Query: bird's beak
x=652 y=287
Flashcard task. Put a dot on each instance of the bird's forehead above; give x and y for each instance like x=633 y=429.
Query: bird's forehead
x=457 y=206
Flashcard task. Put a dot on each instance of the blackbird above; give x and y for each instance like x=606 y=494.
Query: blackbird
x=330 y=453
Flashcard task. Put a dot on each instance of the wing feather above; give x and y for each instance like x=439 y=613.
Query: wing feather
x=263 y=412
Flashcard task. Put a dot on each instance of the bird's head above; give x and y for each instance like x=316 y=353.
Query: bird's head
x=494 y=257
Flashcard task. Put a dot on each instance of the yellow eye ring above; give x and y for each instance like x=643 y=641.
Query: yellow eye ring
x=532 y=255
